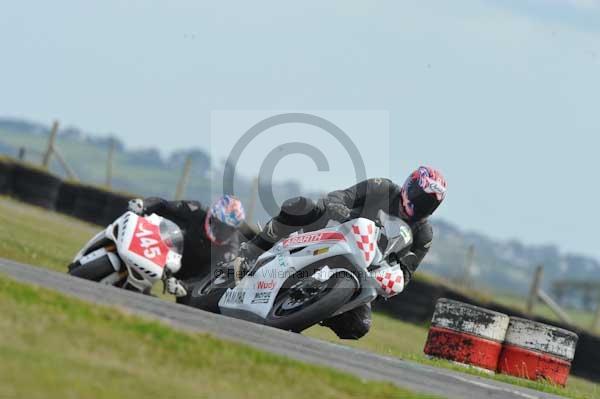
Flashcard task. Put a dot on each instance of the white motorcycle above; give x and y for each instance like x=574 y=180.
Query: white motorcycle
x=309 y=277
x=133 y=252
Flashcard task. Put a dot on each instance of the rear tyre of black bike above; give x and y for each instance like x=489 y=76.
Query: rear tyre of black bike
x=205 y=292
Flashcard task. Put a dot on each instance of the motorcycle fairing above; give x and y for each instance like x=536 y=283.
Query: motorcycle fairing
x=140 y=247
x=254 y=296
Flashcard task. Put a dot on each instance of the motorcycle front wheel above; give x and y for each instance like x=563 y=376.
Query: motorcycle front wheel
x=309 y=301
x=95 y=270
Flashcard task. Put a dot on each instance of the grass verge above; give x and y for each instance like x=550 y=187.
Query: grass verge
x=53 y=346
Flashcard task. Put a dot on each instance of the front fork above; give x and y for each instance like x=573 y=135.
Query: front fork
x=239 y=269
x=166 y=275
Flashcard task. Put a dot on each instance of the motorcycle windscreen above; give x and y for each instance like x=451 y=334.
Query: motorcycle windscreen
x=396 y=234
x=172 y=236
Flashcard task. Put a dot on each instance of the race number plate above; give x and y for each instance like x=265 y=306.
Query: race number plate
x=146 y=242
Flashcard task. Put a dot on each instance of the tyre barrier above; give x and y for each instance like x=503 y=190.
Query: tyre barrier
x=90 y=203
x=417 y=302
x=422 y=297
x=6 y=173
x=116 y=205
x=67 y=195
x=35 y=186
x=466 y=334
x=535 y=351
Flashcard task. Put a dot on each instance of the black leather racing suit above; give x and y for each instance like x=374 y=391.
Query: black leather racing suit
x=199 y=253
x=364 y=199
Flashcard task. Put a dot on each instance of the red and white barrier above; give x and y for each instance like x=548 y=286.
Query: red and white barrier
x=537 y=351
x=466 y=334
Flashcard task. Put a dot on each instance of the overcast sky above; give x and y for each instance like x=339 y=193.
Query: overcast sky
x=502 y=95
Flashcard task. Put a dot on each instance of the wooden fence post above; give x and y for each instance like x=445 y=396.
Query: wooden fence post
x=183 y=179
x=554 y=307
x=50 y=148
x=535 y=286
x=70 y=172
x=109 y=163
x=596 y=321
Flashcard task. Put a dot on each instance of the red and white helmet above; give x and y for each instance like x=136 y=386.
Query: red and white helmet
x=422 y=193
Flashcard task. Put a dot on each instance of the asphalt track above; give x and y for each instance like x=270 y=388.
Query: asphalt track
x=367 y=365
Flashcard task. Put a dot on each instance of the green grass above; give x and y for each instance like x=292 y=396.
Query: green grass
x=53 y=346
x=30 y=237
x=388 y=336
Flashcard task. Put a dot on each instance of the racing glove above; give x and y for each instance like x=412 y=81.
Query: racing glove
x=408 y=264
x=249 y=252
x=338 y=212
x=136 y=206
x=175 y=287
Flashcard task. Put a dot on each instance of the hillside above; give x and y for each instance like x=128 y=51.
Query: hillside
x=504 y=265
x=145 y=172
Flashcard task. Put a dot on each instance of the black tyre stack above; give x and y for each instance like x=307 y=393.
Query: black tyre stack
x=67 y=195
x=90 y=203
x=421 y=296
x=35 y=186
x=6 y=173
x=116 y=205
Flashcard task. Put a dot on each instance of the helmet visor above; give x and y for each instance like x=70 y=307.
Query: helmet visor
x=222 y=232
x=423 y=204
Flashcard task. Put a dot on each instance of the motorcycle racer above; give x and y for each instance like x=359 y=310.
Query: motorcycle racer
x=419 y=196
x=210 y=235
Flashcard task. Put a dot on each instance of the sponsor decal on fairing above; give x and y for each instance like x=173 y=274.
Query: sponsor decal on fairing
x=235 y=297
x=261 y=297
x=265 y=285
x=312 y=238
